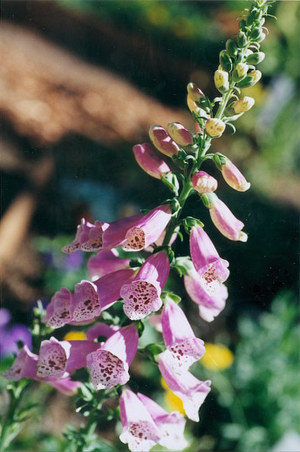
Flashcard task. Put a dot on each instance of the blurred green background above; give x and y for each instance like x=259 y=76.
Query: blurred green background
x=83 y=82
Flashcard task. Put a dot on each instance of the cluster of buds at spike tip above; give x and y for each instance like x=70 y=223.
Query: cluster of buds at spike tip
x=162 y=141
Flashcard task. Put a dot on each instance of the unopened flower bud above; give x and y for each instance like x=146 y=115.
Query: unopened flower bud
x=225 y=60
x=194 y=92
x=231 y=47
x=256 y=76
x=223 y=218
x=257 y=35
x=241 y=69
x=149 y=161
x=180 y=134
x=193 y=107
x=215 y=127
x=243 y=105
x=241 y=38
x=204 y=183
x=255 y=58
x=162 y=141
x=233 y=176
x=221 y=81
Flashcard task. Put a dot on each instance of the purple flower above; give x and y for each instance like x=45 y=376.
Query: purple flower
x=140 y=232
x=206 y=260
x=105 y=262
x=188 y=388
x=109 y=364
x=149 y=161
x=210 y=295
x=61 y=358
x=224 y=220
x=142 y=295
x=25 y=366
x=170 y=425
x=12 y=334
x=139 y=429
x=183 y=347
x=88 y=237
x=162 y=141
x=88 y=301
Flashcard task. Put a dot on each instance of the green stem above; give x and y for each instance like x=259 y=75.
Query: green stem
x=11 y=418
x=223 y=103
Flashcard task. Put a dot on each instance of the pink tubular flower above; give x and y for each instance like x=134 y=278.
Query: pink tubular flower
x=234 y=177
x=142 y=295
x=188 y=388
x=149 y=161
x=209 y=293
x=194 y=92
x=25 y=366
x=86 y=304
x=109 y=286
x=183 y=347
x=145 y=230
x=138 y=232
x=162 y=141
x=61 y=358
x=139 y=429
x=110 y=363
x=88 y=237
x=58 y=312
x=203 y=182
x=207 y=262
x=105 y=262
x=224 y=220
x=180 y=134
x=170 y=425
x=88 y=301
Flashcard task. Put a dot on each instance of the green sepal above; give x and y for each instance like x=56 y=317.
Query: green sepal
x=231 y=125
x=225 y=60
x=174 y=297
x=205 y=199
x=247 y=82
x=184 y=265
x=151 y=350
x=138 y=262
x=190 y=222
x=180 y=159
x=171 y=181
x=219 y=160
x=140 y=327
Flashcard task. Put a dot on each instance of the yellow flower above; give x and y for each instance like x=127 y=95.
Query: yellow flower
x=75 y=336
x=174 y=403
x=217 y=357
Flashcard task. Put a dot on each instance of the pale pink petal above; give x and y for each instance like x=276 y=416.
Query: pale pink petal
x=53 y=358
x=205 y=256
x=139 y=429
x=188 y=388
x=170 y=425
x=148 y=229
x=58 y=312
x=86 y=306
x=109 y=286
x=115 y=233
